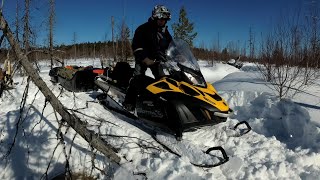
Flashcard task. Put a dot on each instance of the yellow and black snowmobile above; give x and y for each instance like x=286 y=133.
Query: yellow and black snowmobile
x=181 y=101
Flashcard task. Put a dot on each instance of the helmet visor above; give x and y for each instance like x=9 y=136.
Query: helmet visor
x=163 y=15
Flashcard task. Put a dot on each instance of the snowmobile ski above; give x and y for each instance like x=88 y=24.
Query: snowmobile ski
x=198 y=157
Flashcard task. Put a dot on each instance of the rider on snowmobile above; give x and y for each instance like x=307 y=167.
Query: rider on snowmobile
x=149 y=44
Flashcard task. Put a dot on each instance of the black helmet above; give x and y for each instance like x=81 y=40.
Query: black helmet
x=161 y=12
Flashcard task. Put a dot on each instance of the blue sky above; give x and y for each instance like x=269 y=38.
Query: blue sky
x=229 y=20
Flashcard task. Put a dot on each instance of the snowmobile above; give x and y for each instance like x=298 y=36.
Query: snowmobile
x=179 y=102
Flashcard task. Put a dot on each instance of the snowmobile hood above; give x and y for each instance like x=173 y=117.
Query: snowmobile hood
x=207 y=95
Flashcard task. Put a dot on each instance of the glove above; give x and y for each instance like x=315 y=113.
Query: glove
x=148 y=62
x=161 y=57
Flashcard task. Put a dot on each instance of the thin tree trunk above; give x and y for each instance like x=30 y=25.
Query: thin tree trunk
x=26 y=27
x=51 y=19
x=92 y=138
x=17 y=21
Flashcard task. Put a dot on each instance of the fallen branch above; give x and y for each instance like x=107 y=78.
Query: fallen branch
x=80 y=127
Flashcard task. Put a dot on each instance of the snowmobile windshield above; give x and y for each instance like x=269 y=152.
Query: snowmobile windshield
x=180 y=53
x=181 y=59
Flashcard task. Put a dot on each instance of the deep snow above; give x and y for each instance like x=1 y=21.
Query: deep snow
x=284 y=142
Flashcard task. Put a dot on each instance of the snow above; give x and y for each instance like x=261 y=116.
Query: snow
x=284 y=142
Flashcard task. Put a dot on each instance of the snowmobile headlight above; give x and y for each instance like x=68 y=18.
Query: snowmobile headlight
x=195 y=80
x=192 y=79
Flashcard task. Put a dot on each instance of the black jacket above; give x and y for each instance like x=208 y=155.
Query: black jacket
x=146 y=41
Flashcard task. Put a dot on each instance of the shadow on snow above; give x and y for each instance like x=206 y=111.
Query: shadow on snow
x=29 y=155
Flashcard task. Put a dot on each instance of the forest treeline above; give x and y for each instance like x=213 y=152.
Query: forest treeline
x=104 y=50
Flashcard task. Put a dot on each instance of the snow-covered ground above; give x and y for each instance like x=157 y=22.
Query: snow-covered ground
x=284 y=142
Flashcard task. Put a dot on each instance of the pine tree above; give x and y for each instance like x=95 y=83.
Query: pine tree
x=184 y=29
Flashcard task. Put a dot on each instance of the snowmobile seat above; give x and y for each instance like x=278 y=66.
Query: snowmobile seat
x=121 y=74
